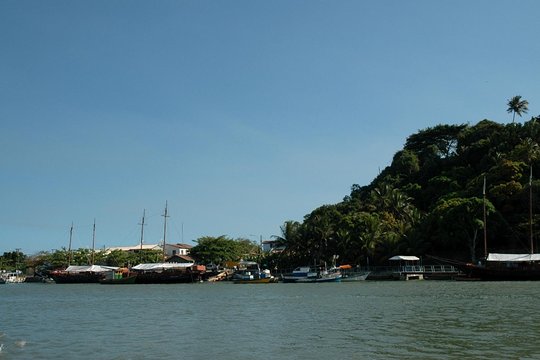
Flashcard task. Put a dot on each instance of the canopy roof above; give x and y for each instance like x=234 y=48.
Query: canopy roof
x=513 y=257
x=404 y=258
x=162 y=266
x=90 y=268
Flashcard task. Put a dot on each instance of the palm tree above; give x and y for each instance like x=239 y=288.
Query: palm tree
x=517 y=106
x=290 y=231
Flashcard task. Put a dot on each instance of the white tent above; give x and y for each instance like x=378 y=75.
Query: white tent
x=513 y=257
x=90 y=268
x=404 y=258
x=161 y=266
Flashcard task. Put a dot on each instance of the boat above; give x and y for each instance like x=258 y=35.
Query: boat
x=348 y=273
x=120 y=277
x=167 y=272
x=81 y=274
x=308 y=274
x=503 y=266
x=249 y=272
x=12 y=277
x=77 y=274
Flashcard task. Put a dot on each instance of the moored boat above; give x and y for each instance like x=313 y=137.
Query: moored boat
x=348 y=273
x=249 y=272
x=307 y=274
x=120 y=277
x=168 y=273
x=504 y=267
x=81 y=274
x=12 y=277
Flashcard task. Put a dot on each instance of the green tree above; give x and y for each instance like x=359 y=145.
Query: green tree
x=217 y=250
x=459 y=220
x=517 y=106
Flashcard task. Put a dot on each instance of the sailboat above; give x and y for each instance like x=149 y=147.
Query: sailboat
x=506 y=267
x=76 y=274
x=166 y=272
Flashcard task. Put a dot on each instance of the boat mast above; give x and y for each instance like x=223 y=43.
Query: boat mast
x=530 y=212
x=69 y=246
x=142 y=234
x=165 y=216
x=485 y=225
x=93 y=241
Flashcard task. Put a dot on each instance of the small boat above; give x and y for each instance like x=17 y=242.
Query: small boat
x=13 y=277
x=307 y=274
x=352 y=276
x=119 y=277
x=348 y=273
x=250 y=273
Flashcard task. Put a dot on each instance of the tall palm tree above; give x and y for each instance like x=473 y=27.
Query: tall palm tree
x=517 y=106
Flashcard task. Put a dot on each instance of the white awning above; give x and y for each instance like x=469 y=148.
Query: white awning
x=513 y=257
x=90 y=268
x=161 y=266
x=404 y=258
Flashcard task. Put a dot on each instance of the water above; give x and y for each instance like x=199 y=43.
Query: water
x=361 y=320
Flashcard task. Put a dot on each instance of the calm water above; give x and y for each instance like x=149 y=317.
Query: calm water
x=363 y=320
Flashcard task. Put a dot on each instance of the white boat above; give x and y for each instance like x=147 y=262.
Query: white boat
x=350 y=273
x=361 y=276
x=13 y=277
x=249 y=272
x=307 y=274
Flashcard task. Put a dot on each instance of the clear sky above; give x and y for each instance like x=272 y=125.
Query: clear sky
x=240 y=114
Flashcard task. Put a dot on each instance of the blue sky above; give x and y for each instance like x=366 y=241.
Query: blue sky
x=240 y=114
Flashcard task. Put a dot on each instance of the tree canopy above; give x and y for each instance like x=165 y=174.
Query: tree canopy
x=430 y=199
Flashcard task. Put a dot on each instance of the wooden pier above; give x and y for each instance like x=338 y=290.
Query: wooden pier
x=426 y=272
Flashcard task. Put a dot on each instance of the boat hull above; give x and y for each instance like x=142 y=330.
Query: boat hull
x=256 y=281
x=323 y=279
x=119 y=281
x=355 y=277
x=77 y=278
x=501 y=273
x=168 y=277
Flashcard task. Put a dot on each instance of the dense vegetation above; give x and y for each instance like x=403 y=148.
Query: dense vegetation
x=430 y=200
x=61 y=258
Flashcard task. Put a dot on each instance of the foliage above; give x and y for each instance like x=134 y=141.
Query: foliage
x=13 y=260
x=217 y=250
x=430 y=199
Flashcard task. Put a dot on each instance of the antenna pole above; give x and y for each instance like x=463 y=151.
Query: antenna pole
x=165 y=216
x=485 y=224
x=531 y=212
x=93 y=240
x=69 y=247
x=142 y=234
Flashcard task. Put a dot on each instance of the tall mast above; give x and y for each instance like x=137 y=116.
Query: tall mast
x=165 y=216
x=142 y=234
x=93 y=241
x=485 y=224
x=69 y=246
x=530 y=212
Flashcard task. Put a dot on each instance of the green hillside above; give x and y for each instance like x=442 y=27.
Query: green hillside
x=430 y=200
